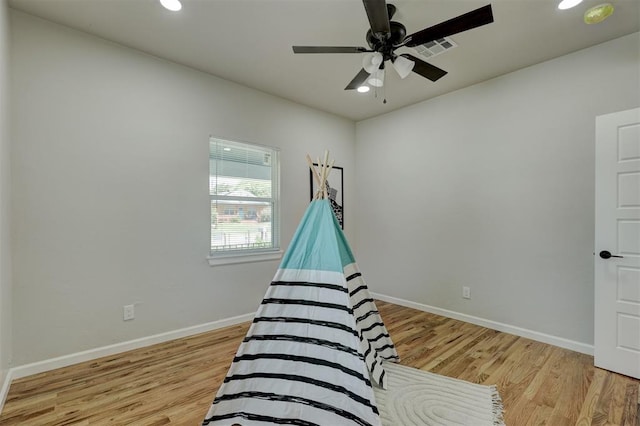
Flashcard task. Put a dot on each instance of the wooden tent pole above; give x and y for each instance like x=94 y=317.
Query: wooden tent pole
x=322 y=175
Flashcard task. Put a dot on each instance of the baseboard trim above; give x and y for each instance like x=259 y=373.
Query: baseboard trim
x=91 y=354
x=494 y=325
x=4 y=390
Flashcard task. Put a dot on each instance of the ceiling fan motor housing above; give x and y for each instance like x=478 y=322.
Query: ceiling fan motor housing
x=386 y=45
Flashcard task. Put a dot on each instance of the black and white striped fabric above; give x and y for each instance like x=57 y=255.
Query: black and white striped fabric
x=377 y=344
x=301 y=362
x=315 y=347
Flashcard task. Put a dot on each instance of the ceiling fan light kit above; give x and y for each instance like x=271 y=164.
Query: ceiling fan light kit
x=371 y=61
x=403 y=66
x=376 y=79
x=385 y=36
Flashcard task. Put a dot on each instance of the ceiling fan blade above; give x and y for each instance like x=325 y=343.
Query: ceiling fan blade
x=358 y=80
x=329 y=49
x=469 y=20
x=378 y=16
x=425 y=69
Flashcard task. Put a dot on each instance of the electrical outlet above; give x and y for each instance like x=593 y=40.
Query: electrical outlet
x=128 y=312
x=466 y=292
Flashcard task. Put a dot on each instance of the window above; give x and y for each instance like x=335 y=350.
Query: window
x=244 y=189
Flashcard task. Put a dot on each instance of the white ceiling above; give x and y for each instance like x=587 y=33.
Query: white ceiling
x=249 y=41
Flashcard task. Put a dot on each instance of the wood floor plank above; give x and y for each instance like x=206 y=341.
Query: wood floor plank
x=173 y=383
x=631 y=404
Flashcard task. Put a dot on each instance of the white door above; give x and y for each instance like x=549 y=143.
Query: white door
x=617 y=278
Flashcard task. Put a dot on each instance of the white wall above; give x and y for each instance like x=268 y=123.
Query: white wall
x=5 y=175
x=111 y=205
x=492 y=187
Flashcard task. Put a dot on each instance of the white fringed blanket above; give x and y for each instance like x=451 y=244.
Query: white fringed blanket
x=418 y=398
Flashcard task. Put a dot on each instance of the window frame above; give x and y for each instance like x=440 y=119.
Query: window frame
x=225 y=257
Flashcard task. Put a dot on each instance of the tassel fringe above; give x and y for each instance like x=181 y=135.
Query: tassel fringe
x=497 y=407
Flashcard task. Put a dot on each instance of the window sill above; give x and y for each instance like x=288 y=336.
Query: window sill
x=244 y=258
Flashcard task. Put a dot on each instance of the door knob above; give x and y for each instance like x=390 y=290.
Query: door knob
x=606 y=255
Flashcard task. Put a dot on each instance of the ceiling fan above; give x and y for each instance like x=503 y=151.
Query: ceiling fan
x=385 y=36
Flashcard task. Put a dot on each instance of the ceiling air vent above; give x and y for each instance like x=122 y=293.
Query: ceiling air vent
x=435 y=47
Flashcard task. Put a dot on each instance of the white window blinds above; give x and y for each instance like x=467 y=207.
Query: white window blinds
x=244 y=190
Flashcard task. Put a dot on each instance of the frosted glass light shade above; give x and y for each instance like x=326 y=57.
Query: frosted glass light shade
x=376 y=79
x=403 y=66
x=371 y=62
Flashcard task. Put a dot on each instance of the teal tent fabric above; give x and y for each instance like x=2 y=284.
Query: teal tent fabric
x=317 y=343
x=314 y=244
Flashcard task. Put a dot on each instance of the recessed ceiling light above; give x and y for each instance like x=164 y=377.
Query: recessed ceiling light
x=226 y=148
x=598 y=13
x=568 y=4
x=363 y=89
x=172 y=5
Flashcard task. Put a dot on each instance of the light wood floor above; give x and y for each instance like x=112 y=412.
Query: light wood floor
x=174 y=382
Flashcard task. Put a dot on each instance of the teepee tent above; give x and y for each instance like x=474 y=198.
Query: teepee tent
x=317 y=341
